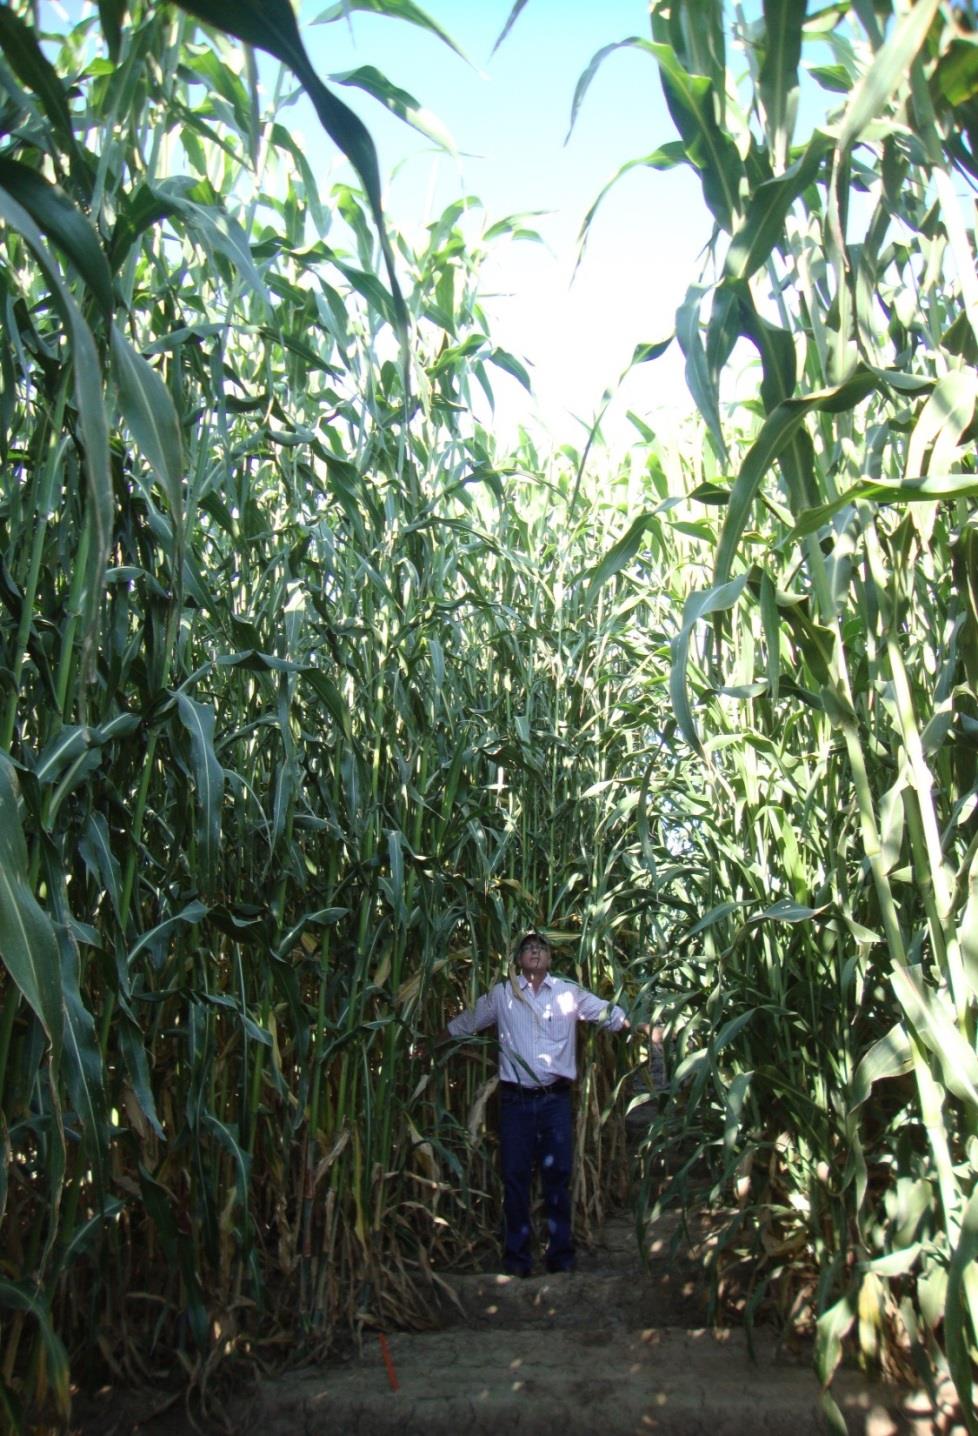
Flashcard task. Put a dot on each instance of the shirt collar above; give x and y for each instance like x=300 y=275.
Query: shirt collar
x=524 y=981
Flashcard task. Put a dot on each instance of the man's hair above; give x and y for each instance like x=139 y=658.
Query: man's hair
x=533 y=937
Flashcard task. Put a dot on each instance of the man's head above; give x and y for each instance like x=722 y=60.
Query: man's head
x=533 y=955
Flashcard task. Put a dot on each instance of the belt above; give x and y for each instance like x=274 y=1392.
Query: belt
x=562 y=1084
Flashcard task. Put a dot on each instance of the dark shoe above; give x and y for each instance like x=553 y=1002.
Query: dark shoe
x=558 y=1266
x=521 y=1271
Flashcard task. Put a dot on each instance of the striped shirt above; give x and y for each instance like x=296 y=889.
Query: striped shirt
x=537 y=1032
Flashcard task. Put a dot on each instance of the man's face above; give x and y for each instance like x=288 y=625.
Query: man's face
x=535 y=958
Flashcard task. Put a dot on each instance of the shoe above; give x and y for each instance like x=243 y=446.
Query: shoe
x=554 y=1267
x=511 y=1269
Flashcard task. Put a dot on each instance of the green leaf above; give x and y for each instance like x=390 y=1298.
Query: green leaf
x=762 y=226
x=149 y=411
x=64 y=749
x=933 y=488
x=16 y=1296
x=111 y=14
x=832 y=1326
x=734 y=1100
x=87 y=1231
x=222 y=234
x=192 y=913
x=28 y=945
x=393 y=10
x=511 y=365
x=699 y=380
x=618 y=557
x=137 y=1065
x=787 y=911
x=708 y=146
x=889 y=69
x=698 y=605
x=271 y=25
x=955 y=78
x=400 y=103
x=20 y=48
x=730 y=1029
x=779 y=429
x=70 y=230
x=139 y=209
x=705 y=146
x=961 y=1303
x=589 y=72
x=198 y=719
x=510 y=22
x=95 y=849
x=890 y=1056
x=644 y=353
x=835 y=78
x=946 y=414
x=768 y=604
x=83 y=1068
x=372 y=290
x=778 y=79
x=241 y=1160
x=932 y=1017
x=91 y=409
x=893 y=1263
x=666 y=157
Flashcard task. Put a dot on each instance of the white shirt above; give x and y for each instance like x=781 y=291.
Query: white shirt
x=537 y=1031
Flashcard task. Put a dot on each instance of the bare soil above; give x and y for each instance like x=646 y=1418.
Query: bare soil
x=620 y=1346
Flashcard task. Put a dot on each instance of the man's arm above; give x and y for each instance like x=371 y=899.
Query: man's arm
x=591 y=1008
x=468 y=1023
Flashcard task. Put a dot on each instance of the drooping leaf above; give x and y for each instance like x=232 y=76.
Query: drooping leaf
x=618 y=557
x=149 y=411
x=91 y=409
x=62 y=222
x=779 y=428
x=393 y=10
x=889 y=1056
x=511 y=19
x=28 y=945
x=933 y=1020
x=271 y=25
x=400 y=103
x=83 y=1069
x=21 y=1296
x=32 y=67
x=198 y=719
x=698 y=605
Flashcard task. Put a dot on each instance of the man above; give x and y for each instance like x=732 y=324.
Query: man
x=536 y=1017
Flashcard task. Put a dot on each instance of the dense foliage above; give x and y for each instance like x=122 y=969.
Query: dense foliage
x=311 y=699
x=827 y=986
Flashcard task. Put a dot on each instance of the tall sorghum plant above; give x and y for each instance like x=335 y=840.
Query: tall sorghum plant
x=824 y=989
x=305 y=711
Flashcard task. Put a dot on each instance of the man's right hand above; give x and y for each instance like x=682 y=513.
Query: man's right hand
x=423 y=1046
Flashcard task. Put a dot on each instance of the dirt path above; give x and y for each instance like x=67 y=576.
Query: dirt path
x=610 y=1349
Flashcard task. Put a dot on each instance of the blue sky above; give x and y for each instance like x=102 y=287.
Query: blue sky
x=508 y=115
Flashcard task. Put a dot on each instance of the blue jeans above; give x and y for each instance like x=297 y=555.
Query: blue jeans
x=535 y=1133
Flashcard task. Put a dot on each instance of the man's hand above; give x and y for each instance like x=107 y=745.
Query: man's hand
x=423 y=1047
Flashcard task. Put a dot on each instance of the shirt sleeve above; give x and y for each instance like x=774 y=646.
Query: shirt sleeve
x=594 y=1009
x=474 y=1019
